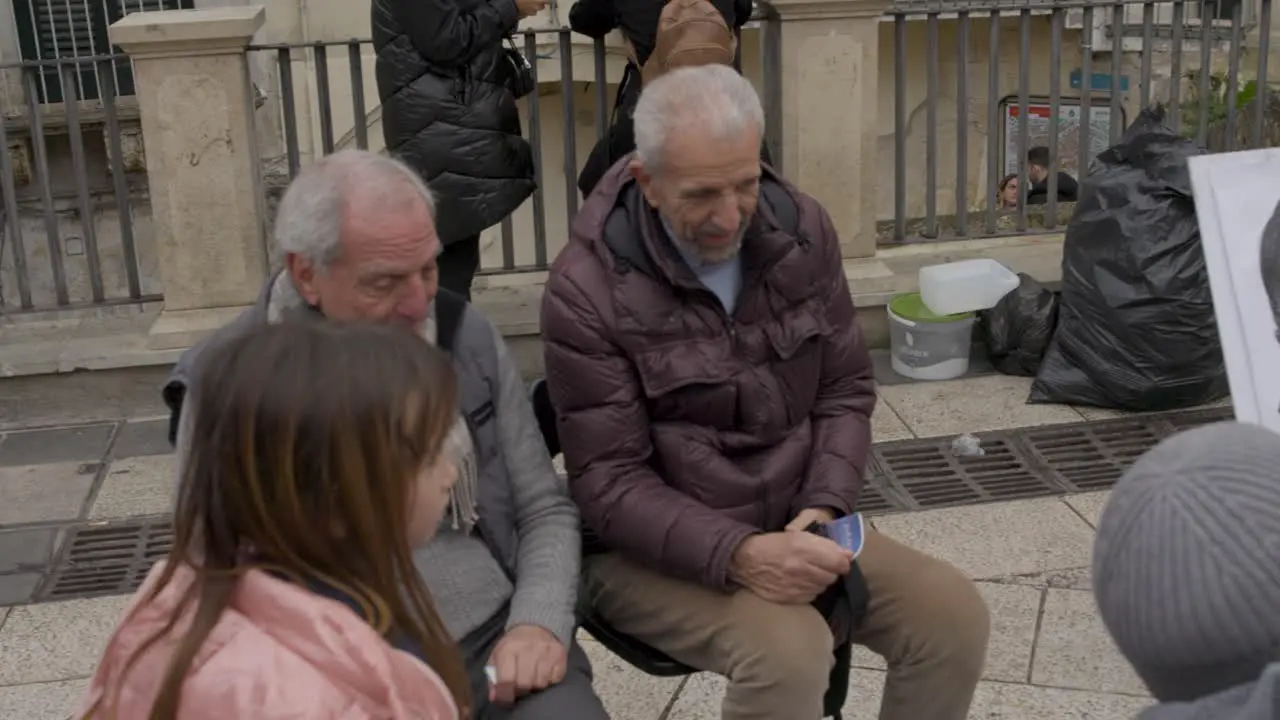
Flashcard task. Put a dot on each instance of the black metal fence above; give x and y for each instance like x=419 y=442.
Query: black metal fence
x=975 y=86
x=323 y=54
x=552 y=47
x=67 y=188
x=1205 y=61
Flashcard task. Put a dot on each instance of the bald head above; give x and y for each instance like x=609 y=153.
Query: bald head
x=358 y=237
x=320 y=199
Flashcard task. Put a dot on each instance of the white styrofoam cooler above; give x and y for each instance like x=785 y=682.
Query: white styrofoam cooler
x=965 y=286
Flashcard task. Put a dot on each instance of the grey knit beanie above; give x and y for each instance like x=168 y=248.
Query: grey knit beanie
x=1186 y=565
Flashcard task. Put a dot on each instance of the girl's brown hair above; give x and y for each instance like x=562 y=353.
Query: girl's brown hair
x=306 y=439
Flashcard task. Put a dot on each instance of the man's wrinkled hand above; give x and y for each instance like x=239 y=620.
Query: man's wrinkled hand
x=788 y=568
x=529 y=8
x=526 y=659
x=809 y=516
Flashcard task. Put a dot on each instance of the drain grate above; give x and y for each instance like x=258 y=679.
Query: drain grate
x=1026 y=462
x=107 y=559
x=927 y=475
x=1090 y=456
x=875 y=499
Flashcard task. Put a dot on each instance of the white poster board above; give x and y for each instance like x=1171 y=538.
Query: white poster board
x=1069 y=135
x=1236 y=196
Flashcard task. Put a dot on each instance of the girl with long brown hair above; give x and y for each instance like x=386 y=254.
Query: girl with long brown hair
x=318 y=461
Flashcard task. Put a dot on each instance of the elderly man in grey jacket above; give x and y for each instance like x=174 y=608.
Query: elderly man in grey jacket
x=357 y=237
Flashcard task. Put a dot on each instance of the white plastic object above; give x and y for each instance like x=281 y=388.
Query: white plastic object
x=967 y=445
x=965 y=286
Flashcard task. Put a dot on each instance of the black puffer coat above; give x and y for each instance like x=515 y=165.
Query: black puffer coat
x=447 y=109
x=638 y=19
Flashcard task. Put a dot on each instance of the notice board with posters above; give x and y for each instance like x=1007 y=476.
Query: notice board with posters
x=1069 y=136
x=1238 y=209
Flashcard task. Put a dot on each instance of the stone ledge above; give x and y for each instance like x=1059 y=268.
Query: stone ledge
x=511 y=301
x=42 y=344
x=180 y=329
x=874 y=281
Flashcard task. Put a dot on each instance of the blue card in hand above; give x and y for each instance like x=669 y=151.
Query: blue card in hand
x=847 y=532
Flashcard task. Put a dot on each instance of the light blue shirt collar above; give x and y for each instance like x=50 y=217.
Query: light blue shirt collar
x=723 y=278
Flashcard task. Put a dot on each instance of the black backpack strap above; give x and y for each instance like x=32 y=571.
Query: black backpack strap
x=174 y=394
x=785 y=211
x=449 y=309
x=624 y=102
x=628 y=253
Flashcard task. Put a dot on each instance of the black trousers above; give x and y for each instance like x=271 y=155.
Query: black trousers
x=458 y=263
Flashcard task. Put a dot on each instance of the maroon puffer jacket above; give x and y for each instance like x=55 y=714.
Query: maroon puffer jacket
x=686 y=430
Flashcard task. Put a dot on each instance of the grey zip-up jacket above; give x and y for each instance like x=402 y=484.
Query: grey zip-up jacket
x=525 y=513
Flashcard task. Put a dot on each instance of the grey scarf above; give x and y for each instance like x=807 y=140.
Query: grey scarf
x=463 y=496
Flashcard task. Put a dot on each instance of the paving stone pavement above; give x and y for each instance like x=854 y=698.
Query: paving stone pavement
x=1049 y=655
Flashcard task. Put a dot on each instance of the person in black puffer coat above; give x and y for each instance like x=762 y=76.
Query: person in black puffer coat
x=637 y=20
x=448 y=111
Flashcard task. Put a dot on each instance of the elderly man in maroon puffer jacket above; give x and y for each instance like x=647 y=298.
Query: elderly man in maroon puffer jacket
x=714 y=398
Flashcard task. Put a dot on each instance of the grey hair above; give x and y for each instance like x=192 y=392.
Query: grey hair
x=308 y=221
x=713 y=96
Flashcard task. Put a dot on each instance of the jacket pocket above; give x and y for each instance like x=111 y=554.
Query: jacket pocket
x=671 y=366
x=690 y=381
x=796 y=341
x=795 y=331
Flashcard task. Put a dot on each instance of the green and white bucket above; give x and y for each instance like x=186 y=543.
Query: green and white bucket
x=926 y=346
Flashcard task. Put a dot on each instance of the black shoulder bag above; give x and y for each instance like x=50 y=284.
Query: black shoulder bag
x=520 y=79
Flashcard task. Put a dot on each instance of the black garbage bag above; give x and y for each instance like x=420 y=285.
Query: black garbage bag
x=1136 y=329
x=1017 y=331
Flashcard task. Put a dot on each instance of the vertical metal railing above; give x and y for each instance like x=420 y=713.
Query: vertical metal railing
x=1024 y=103
x=771 y=71
x=993 y=118
x=1063 y=79
x=962 y=124
x=65 y=112
x=55 y=182
x=1056 y=21
x=329 y=111
x=931 y=127
x=1084 y=147
x=900 y=126
x=1264 y=50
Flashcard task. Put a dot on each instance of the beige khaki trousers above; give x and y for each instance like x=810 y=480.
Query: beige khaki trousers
x=925 y=618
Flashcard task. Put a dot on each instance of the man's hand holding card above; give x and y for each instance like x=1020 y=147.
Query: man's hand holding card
x=848 y=532
x=794 y=566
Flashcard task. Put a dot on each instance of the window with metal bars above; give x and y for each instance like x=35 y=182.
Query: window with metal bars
x=60 y=29
x=1219 y=9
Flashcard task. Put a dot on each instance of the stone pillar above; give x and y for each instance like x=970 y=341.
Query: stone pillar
x=195 y=100
x=829 y=67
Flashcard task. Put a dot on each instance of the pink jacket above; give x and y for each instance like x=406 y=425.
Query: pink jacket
x=279 y=651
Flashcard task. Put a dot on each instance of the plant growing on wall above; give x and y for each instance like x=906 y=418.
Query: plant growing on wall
x=1217 y=100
